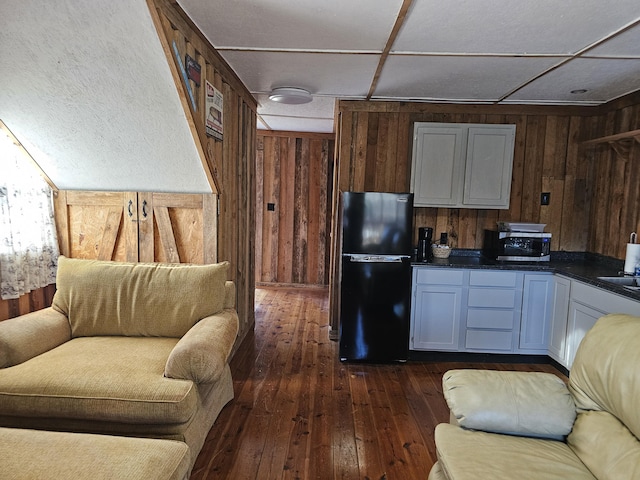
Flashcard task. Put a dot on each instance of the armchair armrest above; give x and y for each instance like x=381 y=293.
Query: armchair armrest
x=531 y=404
x=29 y=335
x=202 y=353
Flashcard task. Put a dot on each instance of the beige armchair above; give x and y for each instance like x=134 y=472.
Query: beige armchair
x=129 y=349
x=507 y=425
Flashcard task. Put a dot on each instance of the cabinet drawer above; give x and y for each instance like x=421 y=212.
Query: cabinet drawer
x=488 y=340
x=498 y=319
x=439 y=276
x=493 y=279
x=492 y=297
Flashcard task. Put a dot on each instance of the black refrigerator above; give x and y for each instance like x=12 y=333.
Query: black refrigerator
x=375 y=286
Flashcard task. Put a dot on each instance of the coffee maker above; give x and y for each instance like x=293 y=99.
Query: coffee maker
x=425 y=238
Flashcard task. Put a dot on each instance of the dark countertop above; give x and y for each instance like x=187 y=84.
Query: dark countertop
x=585 y=267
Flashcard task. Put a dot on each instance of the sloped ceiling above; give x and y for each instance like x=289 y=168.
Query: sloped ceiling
x=86 y=87
x=454 y=51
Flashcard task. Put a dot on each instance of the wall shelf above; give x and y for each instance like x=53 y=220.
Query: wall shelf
x=619 y=141
x=633 y=134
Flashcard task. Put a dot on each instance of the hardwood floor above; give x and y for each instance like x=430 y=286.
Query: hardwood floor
x=300 y=413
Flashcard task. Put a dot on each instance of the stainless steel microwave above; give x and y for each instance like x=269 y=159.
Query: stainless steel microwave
x=517 y=246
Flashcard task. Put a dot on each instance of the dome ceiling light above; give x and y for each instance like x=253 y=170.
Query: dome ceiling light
x=290 y=95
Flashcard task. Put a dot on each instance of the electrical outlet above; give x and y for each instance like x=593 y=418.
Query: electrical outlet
x=544 y=198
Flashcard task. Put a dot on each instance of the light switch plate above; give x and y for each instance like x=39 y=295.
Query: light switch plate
x=544 y=198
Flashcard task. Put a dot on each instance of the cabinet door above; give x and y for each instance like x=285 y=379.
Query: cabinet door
x=177 y=228
x=437 y=173
x=558 y=321
x=536 y=312
x=488 y=167
x=435 y=317
x=97 y=225
x=581 y=319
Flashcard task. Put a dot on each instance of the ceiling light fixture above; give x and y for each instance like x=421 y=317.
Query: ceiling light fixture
x=290 y=95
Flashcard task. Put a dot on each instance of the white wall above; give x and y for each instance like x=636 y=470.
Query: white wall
x=86 y=87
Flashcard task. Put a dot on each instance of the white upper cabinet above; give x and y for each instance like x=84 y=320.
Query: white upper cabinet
x=462 y=165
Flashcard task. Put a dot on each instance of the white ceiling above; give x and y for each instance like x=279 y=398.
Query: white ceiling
x=461 y=51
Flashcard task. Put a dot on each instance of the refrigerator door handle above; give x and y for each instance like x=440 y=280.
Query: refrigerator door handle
x=364 y=258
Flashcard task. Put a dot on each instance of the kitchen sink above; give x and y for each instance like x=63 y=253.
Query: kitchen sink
x=622 y=281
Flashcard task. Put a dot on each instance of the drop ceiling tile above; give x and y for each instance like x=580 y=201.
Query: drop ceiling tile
x=604 y=79
x=299 y=24
x=626 y=44
x=456 y=78
x=321 y=73
x=507 y=26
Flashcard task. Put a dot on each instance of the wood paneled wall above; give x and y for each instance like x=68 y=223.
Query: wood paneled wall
x=615 y=200
x=375 y=155
x=230 y=162
x=294 y=175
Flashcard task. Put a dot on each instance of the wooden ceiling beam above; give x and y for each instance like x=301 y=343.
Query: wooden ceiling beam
x=402 y=15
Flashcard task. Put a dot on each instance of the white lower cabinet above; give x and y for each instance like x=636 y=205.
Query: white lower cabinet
x=581 y=319
x=558 y=320
x=586 y=305
x=436 y=309
x=537 y=305
x=483 y=311
x=505 y=311
x=493 y=310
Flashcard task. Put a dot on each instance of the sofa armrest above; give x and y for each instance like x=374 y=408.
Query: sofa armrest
x=531 y=404
x=229 y=294
x=29 y=335
x=202 y=353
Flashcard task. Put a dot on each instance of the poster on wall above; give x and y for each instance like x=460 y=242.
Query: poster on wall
x=193 y=69
x=214 y=104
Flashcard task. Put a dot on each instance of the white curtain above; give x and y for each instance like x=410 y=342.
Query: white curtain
x=28 y=244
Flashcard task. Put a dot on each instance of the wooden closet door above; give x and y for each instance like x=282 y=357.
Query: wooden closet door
x=97 y=225
x=177 y=228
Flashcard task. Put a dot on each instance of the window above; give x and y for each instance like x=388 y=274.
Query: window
x=28 y=244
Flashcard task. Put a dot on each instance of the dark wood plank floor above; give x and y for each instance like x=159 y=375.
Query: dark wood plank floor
x=300 y=413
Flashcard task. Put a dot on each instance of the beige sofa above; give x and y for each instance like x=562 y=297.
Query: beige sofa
x=128 y=349
x=531 y=426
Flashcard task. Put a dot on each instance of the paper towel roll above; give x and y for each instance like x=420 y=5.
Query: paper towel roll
x=633 y=258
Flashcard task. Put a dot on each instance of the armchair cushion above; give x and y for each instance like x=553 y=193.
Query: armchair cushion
x=520 y=403
x=469 y=455
x=137 y=299
x=29 y=335
x=202 y=353
x=110 y=380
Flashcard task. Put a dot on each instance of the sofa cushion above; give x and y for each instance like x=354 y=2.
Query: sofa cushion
x=106 y=379
x=606 y=446
x=601 y=377
x=33 y=454
x=137 y=299
x=523 y=403
x=470 y=455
